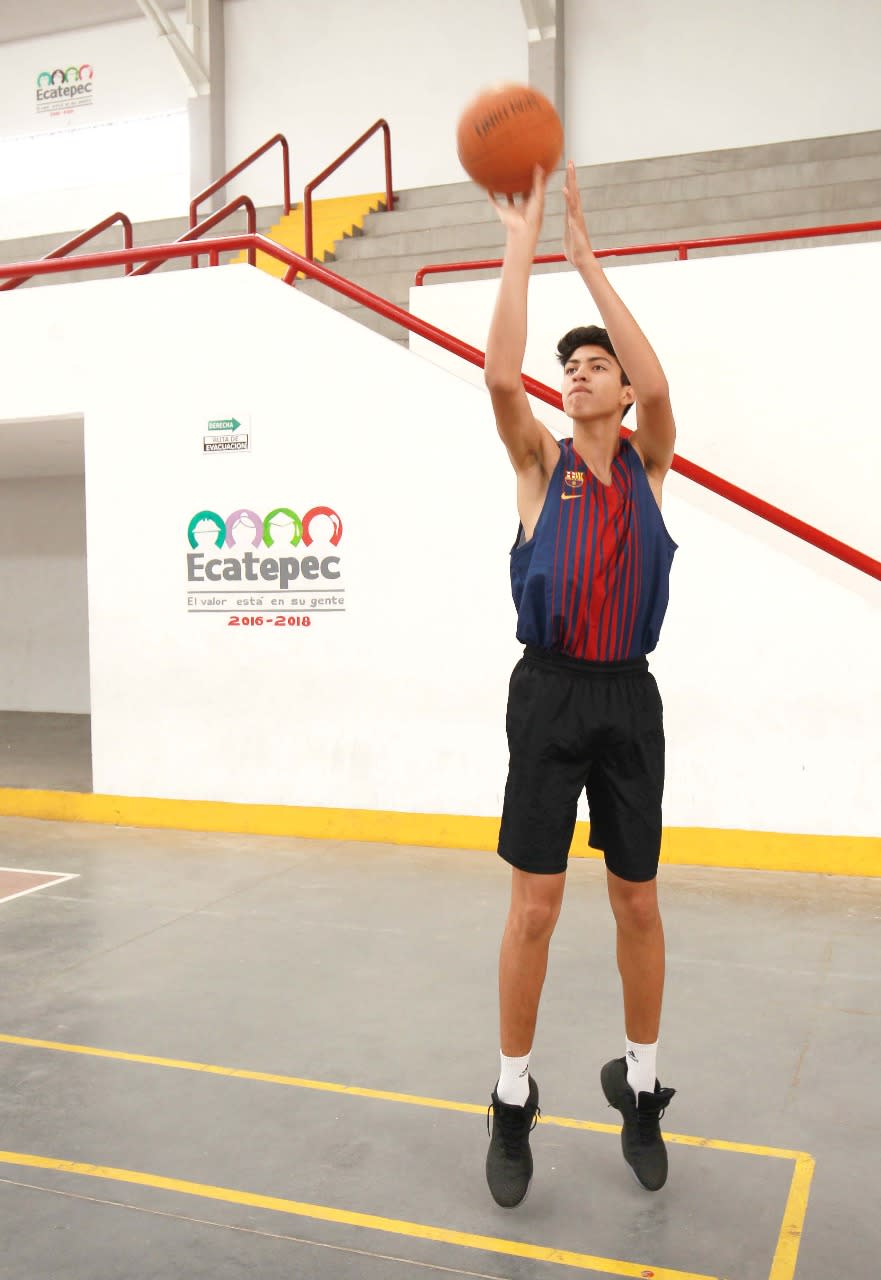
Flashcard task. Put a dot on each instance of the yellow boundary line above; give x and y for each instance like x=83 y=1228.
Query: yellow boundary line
x=324 y=1213
x=684 y=846
x=785 y=1255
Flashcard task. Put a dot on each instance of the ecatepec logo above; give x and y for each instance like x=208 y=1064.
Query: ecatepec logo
x=65 y=88
x=228 y=557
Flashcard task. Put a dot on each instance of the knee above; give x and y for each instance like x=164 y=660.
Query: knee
x=635 y=907
x=534 y=921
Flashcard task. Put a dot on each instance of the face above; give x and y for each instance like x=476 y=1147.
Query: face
x=592 y=384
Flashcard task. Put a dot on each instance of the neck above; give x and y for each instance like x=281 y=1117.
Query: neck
x=597 y=441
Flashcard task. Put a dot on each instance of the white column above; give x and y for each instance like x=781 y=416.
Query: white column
x=544 y=28
x=199 y=52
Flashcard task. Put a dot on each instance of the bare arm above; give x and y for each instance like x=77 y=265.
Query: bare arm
x=531 y=447
x=655 y=436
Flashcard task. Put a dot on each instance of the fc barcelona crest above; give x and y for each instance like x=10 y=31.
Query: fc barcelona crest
x=574 y=479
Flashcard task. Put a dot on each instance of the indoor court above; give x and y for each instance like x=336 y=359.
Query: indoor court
x=219 y=1065
x=268 y=708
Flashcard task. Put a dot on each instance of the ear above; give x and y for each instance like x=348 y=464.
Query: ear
x=629 y=395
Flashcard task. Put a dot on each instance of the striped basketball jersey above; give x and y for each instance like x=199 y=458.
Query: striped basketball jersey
x=593 y=580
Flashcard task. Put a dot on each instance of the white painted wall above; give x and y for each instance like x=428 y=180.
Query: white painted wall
x=44 y=627
x=128 y=149
x=322 y=74
x=641 y=79
x=768 y=659
x=767 y=663
x=649 y=79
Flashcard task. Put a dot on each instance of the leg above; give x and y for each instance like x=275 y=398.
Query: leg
x=523 y=962
x=640 y=946
x=641 y=965
x=545 y=776
x=535 y=908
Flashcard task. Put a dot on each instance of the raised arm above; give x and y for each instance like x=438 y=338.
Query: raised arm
x=531 y=447
x=655 y=435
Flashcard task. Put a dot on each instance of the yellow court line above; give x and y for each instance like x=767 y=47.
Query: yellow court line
x=325 y=1213
x=383 y=1095
x=786 y=1253
x=681 y=846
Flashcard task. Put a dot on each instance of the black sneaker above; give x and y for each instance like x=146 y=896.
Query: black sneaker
x=509 y=1160
x=641 y=1139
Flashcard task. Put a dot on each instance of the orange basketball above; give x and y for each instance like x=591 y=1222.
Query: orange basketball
x=504 y=133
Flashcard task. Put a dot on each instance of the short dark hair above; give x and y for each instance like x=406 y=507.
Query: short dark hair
x=590 y=335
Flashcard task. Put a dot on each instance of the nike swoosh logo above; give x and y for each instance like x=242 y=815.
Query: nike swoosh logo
x=566 y=496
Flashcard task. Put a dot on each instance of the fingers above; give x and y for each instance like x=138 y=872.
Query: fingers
x=501 y=209
x=570 y=183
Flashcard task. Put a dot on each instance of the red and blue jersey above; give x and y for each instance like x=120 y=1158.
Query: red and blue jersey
x=593 y=581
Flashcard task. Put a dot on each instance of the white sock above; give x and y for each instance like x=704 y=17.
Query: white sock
x=513 y=1086
x=641 y=1059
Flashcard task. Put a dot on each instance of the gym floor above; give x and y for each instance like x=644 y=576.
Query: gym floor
x=228 y=1055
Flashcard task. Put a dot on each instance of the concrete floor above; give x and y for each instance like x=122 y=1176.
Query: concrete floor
x=45 y=751
x=374 y=966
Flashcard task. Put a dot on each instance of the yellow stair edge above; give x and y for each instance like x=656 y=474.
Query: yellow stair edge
x=332 y=220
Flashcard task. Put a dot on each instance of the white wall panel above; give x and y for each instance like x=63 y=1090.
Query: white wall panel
x=768 y=658
x=767 y=662
x=322 y=74
x=648 y=79
x=44 y=630
x=641 y=80
x=128 y=149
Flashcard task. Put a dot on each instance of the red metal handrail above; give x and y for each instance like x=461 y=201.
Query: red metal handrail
x=234 y=172
x=69 y=245
x=331 y=168
x=194 y=233
x=149 y=253
x=682 y=247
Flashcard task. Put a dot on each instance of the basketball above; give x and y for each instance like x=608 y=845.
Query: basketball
x=504 y=133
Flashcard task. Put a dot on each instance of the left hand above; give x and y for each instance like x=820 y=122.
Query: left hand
x=576 y=242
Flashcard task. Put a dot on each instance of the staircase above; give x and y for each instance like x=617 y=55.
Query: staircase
x=810 y=182
x=333 y=220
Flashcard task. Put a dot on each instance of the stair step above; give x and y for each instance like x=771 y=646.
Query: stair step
x=803 y=150
x=781 y=186
x=333 y=220
x=647 y=194
x=822 y=203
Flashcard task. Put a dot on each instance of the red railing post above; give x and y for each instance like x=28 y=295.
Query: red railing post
x=194 y=233
x=237 y=169
x=308 y=243
x=64 y=249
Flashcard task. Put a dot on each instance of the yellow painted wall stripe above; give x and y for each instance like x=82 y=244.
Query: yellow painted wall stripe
x=683 y=846
x=324 y=1213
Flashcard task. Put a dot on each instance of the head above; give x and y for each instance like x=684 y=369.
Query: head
x=591 y=366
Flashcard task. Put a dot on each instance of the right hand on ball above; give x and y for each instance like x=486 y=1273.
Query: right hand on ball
x=524 y=218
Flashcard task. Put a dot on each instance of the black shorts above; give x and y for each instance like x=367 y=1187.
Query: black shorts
x=592 y=725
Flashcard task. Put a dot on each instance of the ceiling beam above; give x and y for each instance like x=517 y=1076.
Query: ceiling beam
x=166 y=28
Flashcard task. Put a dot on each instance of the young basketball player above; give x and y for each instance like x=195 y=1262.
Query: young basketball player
x=589 y=572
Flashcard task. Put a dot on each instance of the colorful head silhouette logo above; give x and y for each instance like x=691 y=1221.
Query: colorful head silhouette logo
x=280 y=522
x=73 y=75
x=207 y=517
x=247 y=520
